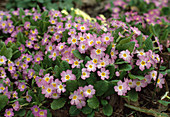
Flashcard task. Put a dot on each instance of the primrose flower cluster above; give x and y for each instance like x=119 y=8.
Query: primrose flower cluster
x=151 y=16
x=50 y=56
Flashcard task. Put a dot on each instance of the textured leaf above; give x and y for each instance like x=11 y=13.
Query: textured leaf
x=73 y=111
x=71 y=85
x=108 y=110
x=3 y=101
x=133 y=95
x=101 y=87
x=125 y=67
x=78 y=55
x=93 y=102
x=87 y=110
x=58 y=103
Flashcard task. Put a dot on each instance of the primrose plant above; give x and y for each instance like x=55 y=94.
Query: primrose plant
x=50 y=60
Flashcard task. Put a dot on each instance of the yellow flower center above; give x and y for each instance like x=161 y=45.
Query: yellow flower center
x=106 y=38
x=52 y=21
x=23 y=86
x=2 y=60
x=82 y=28
x=28 y=59
x=8 y=113
x=102 y=63
x=103 y=74
x=36 y=109
x=67 y=77
x=49 y=90
x=83 y=46
x=60 y=87
x=10 y=67
x=124 y=55
x=158 y=81
x=90 y=66
x=74 y=97
x=120 y=87
x=76 y=63
x=98 y=51
x=112 y=53
x=41 y=113
x=89 y=91
x=138 y=83
x=95 y=61
x=141 y=53
x=91 y=42
x=50 y=48
x=38 y=59
x=57 y=36
x=81 y=38
x=84 y=73
x=47 y=79
x=143 y=63
x=74 y=40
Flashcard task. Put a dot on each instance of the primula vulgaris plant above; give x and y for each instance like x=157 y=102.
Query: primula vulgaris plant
x=150 y=16
x=68 y=62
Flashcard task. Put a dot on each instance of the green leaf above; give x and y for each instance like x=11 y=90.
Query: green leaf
x=21 y=112
x=40 y=1
x=165 y=10
x=92 y=79
x=165 y=103
x=71 y=85
x=148 y=44
x=135 y=76
x=87 y=110
x=77 y=72
x=124 y=41
x=101 y=87
x=152 y=30
x=86 y=59
x=20 y=38
x=64 y=66
x=73 y=111
x=125 y=67
x=120 y=61
x=164 y=35
x=4 y=101
x=110 y=90
x=111 y=69
x=37 y=67
x=130 y=46
x=78 y=55
x=91 y=114
x=133 y=95
x=108 y=110
x=58 y=103
x=104 y=102
x=109 y=47
x=93 y=102
x=57 y=71
x=7 y=52
x=49 y=114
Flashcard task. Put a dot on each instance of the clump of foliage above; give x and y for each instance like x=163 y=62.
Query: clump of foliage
x=48 y=4
x=61 y=59
x=150 y=16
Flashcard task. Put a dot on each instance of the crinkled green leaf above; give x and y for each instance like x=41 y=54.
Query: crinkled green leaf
x=93 y=102
x=73 y=111
x=71 y=85
x=108 y=110
x=3 y=101
x=78 y=55
x=101 y=87
x=58 y=103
